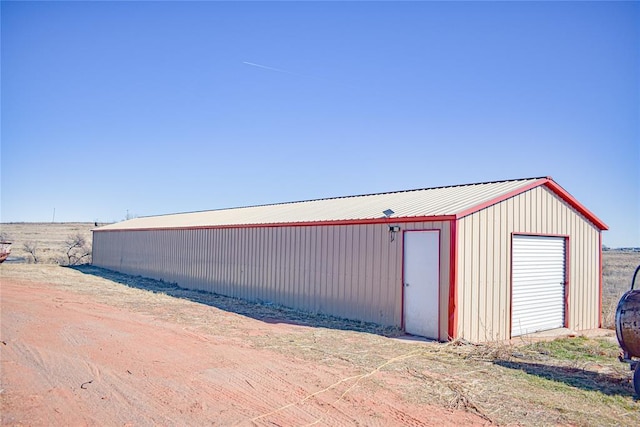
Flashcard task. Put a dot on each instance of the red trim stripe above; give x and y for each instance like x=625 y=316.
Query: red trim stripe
x=510 y=322
x=453 y=282
x=564 y=195
x=600 y=280
x=499 y=199
x=402 y=322
x=293 y=224
x=567 y=281
x=553 y=186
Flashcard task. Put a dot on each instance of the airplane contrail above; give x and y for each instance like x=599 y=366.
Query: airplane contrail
x=267 y=68
x=278 y=70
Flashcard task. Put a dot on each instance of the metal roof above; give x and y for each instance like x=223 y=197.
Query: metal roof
x=451 y=201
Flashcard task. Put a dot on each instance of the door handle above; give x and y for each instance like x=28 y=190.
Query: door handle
x=406 y=284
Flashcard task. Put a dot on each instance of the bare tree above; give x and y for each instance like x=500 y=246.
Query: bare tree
x=78 y=251
x=31 y=248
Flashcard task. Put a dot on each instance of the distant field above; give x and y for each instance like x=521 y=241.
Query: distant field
x=49 y=238
x=617 y=272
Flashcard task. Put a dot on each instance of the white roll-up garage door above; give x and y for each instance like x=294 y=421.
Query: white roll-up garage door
x=538 y=284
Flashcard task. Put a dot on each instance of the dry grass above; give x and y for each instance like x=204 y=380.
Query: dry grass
x=617 y=272
x=48 y=239
x=573 y=381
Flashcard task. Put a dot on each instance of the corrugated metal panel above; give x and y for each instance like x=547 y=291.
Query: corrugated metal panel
x=405 y=204
x=537 y=211
x=538 y=281
x=351 y=271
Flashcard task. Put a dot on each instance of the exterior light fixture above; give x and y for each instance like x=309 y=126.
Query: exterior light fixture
x=393 y=229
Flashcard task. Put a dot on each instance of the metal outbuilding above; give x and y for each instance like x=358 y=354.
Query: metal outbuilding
x=480 y=261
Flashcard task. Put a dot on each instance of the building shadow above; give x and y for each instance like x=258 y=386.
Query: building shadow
x=259 y=310
x=612 y=384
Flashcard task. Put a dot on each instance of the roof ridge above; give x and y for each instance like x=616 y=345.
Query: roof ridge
x=349 y=196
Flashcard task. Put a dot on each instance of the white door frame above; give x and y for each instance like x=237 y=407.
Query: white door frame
x=421 y=283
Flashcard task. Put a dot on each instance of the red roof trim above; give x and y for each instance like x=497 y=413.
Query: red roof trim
x=553 y=186
x=564 y=195
x=296 y=224
x=499 y=199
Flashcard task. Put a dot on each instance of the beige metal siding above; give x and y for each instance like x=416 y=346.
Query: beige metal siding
x=484 y=262
x=351 y=271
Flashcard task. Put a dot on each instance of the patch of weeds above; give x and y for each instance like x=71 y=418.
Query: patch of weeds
x=577 y=349
x=575 y=398
x=586 y=392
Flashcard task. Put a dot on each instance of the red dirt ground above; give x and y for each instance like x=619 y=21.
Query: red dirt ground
x=68 y=359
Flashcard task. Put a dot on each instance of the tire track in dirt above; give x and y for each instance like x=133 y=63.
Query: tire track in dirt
x=324 y=405
x=254 y=388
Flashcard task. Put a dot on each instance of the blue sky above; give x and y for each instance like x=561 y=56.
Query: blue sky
x=162 y=107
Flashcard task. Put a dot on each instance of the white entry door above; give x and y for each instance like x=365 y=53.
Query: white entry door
x=421 y=282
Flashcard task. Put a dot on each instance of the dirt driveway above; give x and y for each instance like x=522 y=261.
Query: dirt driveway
x=80 y=350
